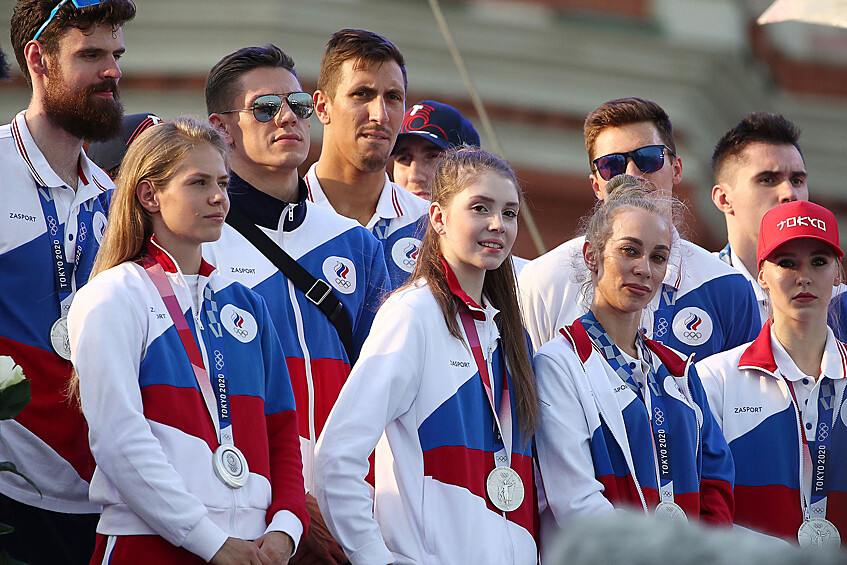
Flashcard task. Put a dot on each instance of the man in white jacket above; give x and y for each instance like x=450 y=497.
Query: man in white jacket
x=703 y=308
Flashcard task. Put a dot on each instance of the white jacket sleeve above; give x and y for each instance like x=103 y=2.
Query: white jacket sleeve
x=536 y=314
x=108 y=331
x=381 y=388
x=563 y=439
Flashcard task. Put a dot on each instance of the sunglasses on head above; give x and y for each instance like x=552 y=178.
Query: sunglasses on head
x=648 y=159
x=267 y=106
x=77 y=3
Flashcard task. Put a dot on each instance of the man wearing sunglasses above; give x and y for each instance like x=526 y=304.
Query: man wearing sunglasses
x=703 y=308
x=254 y=98
x=758 y=165
x=53 y=219
x=360 y=102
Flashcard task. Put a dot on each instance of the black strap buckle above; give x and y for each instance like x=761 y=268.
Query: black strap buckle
x=320 y=287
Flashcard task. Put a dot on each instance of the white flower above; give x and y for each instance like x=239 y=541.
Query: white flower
x=10 y=374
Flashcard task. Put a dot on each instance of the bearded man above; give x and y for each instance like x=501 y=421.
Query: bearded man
x=52 y=219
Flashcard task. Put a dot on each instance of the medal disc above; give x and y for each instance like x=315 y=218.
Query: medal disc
x=666 y=510
x=818 y=532
x=231 y=466
x=505 y=489
x=59 y=338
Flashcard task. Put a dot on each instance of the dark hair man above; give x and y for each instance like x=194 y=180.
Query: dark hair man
x=254 y=98
x=360 y=102
x=703 y=307
x=429 y=128
x=758 y=165
x=52 y=224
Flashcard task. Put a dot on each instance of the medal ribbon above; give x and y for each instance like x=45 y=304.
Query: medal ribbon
x=664 y=314
x=217 y=400
x=503 y=416
x=64 y=269
x=654 y=403
x=821 y=446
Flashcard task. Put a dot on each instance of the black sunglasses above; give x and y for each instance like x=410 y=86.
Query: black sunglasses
x=267 y=106
x=648 y=159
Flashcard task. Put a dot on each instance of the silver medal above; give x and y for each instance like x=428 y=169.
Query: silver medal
x=818 y=532
x=505 y=489
x=59 y=338
x=671 y=511
x=231 y=466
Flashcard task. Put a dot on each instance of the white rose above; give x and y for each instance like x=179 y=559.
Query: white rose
x=10 y=374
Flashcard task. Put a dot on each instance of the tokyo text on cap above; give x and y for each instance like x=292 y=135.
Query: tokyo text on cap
x=800 y=219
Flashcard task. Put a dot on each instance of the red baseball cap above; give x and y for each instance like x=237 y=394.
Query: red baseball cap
x=797 y=220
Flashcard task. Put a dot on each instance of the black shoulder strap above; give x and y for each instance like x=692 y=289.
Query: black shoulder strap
x=317 y=291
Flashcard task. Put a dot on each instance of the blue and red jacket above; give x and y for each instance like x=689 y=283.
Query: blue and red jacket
x=150 y=430
x=748 y=390
x=330 y=247
x=595 y=445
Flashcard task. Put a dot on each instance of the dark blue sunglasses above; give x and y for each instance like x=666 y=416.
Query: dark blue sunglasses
x=648 y=159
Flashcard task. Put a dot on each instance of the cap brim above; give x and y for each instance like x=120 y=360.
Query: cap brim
x=838 y=252
x=435 y=140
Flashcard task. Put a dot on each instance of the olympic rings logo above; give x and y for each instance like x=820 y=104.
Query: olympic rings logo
x=240 y=331
x=83 y=231
x=410 y=262
x=659 y=416
x=662 y=327
x=823 y=431
x=666 y=493
x=342 y=283
x=54 y=228
x=219 y=360
x=693 y=335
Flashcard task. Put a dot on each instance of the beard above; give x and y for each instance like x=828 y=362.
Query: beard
x=81 y=113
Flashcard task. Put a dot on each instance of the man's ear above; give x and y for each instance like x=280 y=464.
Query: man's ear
x=146 y=195
x=219 y=124
x=36 y=59
x=676 y=163
x=595 y=186
x=323 y=106
x=721 y=199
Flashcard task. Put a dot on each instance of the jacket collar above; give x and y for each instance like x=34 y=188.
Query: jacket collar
x=583 y=345
x=477 y=311
x=263 y=209
x=760 y=355
x=157 y=253
x=91 y=177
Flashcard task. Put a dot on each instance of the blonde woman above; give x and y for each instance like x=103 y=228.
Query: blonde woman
x=181 y=376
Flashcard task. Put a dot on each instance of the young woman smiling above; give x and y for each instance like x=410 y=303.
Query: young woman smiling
x=190 y=469
x=779 y=398
x=624 y=420
x=445 y=392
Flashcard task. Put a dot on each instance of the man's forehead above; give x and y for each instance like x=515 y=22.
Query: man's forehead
x=412 y=142
x=361 y=70
x=267 y=80
x=772 y=156
x=614 y=139
x=100 y=36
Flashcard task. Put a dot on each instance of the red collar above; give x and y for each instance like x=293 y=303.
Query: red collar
x=453 y=283
x=583 y=345
x=159 y=255
x=759 y=354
